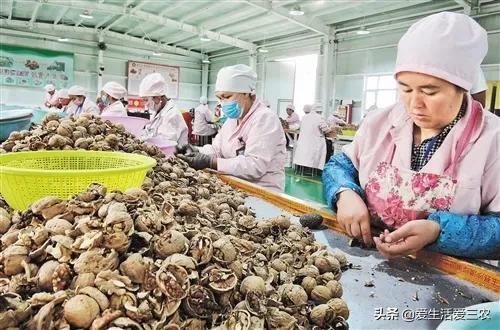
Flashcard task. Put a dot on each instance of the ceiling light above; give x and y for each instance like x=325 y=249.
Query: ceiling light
x=206 y=61
x=296 y=11
x=62 y=39
x=204 y=38
x=156 y=53
x=362 y=31
x=263 y=50
x=86 y=15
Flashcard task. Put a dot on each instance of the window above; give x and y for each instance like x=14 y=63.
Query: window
x=305 y=81
x=380 y=91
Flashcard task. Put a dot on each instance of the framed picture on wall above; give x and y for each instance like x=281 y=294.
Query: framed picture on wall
x=138 y=70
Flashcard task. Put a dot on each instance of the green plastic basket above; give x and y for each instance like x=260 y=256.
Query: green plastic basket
x=28 y=176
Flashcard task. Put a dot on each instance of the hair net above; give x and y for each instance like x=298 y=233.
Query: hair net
x=63 y=94
x=115 y=90
x=49 y=88
x=317 y=107
x=449 y=46
x=153 y=85
x=77 y=90
x=291 y=107
x=237 y=78
x=203 y=100
x=307 y=108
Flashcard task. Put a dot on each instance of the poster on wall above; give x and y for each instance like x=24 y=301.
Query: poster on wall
x=138 y=70
x=28 y=67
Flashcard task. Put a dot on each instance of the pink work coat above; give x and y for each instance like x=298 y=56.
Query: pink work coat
x=168 y=124
x=115 y=109
x=293 y=120
x=477 y=171
x=202 y=121
x=253 y=149
x=311 y=146
x=51 y=99
x=87 y=107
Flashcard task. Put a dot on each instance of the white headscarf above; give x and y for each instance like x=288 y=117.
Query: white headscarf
x=49 y=88
x=115 y=90
x=449 y=46
x=77 y=90
x=63 y=94
x=237 y=78
x=153 y=85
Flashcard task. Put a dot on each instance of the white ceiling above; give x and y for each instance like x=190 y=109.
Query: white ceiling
x=176 y=25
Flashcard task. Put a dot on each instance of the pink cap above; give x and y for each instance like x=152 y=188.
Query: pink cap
x=446 y=45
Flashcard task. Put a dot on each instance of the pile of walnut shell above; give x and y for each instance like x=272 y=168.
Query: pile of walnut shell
x=183 y=252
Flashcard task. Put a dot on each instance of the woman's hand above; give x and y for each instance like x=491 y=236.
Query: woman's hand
x=409 y=238
x=353 y=216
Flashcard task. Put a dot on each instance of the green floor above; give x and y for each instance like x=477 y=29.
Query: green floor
x=304 y=187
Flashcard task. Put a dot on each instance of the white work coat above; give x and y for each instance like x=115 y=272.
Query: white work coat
x=169 y=124
x=115 y=109
x=52 y=99
x=86 y=107
x=334 y=121
x=293 y=121
x=311 y=146
x=253 y=149
x=202 y=121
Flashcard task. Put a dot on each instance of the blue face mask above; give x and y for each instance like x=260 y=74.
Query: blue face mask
x=232 y=110
x=104 y=100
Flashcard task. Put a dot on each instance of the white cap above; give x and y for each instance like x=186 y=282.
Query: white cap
x=449 y=46
x=317 y=107
x=291 y=107
x=307 y=108
x=49 y=88
x=115 y=90
x=237 y=78
x=153 y=85
x=480 y=83
x=203 y=100
x=63 y=94
x=77 y=90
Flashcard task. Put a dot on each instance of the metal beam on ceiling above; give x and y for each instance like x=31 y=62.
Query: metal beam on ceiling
x=338 y=7
x=11 y=9
x=85 y=47
x=35 y=12
x=61 y=15
x=231 y=17
x=466 y=4
x=125 y=10
x=386 y=8
x=92 y=31
x=304 y=20
x=195 y=11
x=154 y=18
x=103 y=22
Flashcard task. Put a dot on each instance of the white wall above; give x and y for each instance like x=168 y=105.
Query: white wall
x=115 y=64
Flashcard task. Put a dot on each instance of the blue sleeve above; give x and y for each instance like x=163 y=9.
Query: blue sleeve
x=471 y=236
x=338 y=173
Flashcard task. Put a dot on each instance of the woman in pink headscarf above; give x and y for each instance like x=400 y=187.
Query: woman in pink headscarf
x=427 y=168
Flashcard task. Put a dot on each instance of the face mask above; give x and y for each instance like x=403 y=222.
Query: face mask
x=104 y=100
x=231 y=109
x=152 y=106
x=78 y=102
